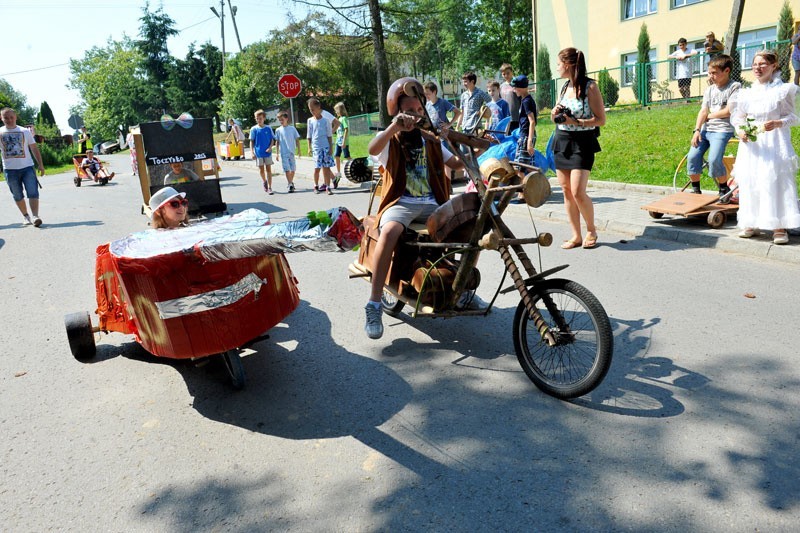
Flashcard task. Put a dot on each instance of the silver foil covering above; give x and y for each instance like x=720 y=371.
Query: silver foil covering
x=245 y=234
x=210 y=300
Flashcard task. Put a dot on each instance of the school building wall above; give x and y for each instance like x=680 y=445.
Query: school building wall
x=607 y=37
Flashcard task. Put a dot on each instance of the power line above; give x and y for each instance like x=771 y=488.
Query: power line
x=33 y=69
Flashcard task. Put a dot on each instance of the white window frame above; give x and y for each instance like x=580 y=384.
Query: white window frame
x=650 y=7
x=747 y=49
x=628 y=62
x=674 y=4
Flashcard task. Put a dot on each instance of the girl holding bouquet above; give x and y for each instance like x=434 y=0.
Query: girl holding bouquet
x=765 y=168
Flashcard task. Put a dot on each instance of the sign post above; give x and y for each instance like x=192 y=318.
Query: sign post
x=289 y=86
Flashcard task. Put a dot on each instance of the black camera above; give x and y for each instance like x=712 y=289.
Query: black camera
x=563 y=114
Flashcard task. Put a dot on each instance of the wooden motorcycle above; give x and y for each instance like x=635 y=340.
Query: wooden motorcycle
x=562 y=335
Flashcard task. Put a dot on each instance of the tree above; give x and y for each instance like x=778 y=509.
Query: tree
x=785 y=33
x=502 y=34
x=643 y=74
x=194 y=82
x=9 y=97
x=45 y=115
x=609 y=87
x=366 y=17
x=544 y=83
x=113 y=85
x=154 y=30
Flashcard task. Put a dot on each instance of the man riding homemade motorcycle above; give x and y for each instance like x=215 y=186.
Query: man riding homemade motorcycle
x=414 y=183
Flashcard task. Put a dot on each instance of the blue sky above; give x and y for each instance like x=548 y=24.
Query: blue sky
x=41 y=36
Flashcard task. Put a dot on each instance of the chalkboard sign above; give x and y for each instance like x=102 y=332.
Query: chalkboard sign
x=179 y=143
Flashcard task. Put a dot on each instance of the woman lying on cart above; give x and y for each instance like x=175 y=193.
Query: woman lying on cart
x=170 y=209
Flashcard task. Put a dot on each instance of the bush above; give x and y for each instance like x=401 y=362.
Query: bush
x=609 y=87
x=52 y=156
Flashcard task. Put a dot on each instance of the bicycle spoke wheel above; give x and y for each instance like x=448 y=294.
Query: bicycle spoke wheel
x=584 y=345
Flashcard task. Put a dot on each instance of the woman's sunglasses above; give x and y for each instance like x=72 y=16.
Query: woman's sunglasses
x=175 y=204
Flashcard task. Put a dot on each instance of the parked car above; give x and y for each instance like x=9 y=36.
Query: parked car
x=108 y=147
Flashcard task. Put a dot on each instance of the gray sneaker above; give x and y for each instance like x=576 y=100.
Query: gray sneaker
x=373 y=326
x=26 y=220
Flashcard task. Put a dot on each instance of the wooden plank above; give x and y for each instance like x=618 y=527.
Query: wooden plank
x=682 y=203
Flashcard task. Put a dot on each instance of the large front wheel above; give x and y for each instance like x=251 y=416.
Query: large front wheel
x=581 y=356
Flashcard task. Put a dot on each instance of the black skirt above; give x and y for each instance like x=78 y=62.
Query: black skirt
x=574 y=150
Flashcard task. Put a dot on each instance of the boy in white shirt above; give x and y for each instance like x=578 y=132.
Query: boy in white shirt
x=19 y=149
x=287 y=141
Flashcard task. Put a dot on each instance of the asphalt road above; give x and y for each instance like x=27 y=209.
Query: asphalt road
x=435 y=427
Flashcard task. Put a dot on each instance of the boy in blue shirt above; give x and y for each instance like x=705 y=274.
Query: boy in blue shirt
x=263 y=139
x=437 y=108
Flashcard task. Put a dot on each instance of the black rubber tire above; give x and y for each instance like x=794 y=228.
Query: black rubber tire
x=80 y=335
x=103 y=181
x=235 y=368
x=575 y=366
x=655 y=214
x=391 y=305
x=77 y=182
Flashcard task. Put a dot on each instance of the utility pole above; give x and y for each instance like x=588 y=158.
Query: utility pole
x=221 y=17
x=234 y=9
x=535 y=24
x=732 y=36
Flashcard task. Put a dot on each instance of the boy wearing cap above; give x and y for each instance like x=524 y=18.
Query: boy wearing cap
x=527 y=119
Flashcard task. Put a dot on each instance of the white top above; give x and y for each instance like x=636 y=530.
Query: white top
x=15 y=145
x=683 y=67
x=319 y=131
x=331 y=118
x=238 y=134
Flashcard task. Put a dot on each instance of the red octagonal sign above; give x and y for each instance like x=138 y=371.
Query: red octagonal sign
x=289 y=86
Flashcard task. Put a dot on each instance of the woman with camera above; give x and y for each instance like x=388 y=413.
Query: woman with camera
x=578 y=116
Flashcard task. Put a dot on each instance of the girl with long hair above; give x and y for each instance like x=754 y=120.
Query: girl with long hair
x=578 y=115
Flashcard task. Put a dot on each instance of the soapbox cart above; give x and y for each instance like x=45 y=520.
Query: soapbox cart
x=81 y=175
x=204 y=290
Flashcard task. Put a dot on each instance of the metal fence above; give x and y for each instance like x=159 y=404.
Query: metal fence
x=657 y=81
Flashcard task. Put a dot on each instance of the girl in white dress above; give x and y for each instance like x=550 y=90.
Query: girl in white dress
x=765 y=169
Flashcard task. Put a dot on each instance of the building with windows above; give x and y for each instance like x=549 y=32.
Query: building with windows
x=608 y=30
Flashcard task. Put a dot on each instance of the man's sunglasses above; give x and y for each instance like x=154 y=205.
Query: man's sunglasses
x=175 y=204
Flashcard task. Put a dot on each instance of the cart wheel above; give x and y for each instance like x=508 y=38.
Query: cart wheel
x=80 y=335
x=103 y=181
x=391 y=305
x=235 y=368
x=655 y=214
x=77 y=182
x=716 y=219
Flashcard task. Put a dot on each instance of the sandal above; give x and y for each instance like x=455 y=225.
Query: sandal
x=747 y=233
x=590 y=241
x=570 y=244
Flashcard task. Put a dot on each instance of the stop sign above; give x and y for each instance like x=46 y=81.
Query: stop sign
x=289 y=86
